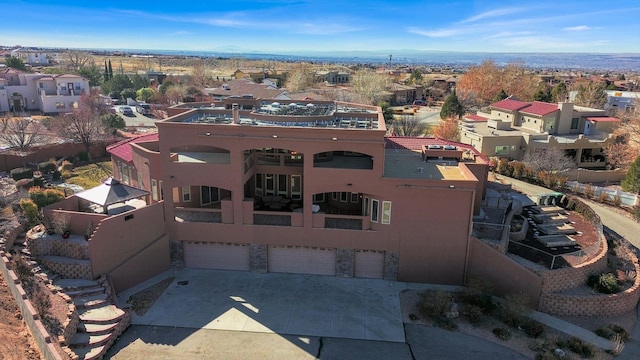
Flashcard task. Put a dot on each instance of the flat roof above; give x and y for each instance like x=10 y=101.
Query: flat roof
x=408 y=164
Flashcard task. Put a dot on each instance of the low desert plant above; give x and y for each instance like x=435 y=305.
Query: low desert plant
x=23 y=270
x=445 y=323
x=513 y=308
x=501 y=333
x=479 y=292
x=617 y=200
x=581 y=348
x=30 y=210
x=589 y=191
x=41 y=301
x=606 y=283
x=603 y=197
x=434 y=303
x=612 y=330
x=61 y=223
x=474 y=314
x=532 y=328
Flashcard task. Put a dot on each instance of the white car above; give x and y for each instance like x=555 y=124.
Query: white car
x=126 y=110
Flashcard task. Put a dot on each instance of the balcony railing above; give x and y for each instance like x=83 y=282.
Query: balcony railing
x=198 y=215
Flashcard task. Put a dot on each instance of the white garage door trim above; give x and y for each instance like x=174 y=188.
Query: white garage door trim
x=302 y=260
x=216 y=256
x=369 y=264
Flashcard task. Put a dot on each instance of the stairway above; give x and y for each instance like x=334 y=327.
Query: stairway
x=100 y=322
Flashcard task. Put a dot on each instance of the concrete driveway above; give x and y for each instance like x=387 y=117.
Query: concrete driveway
x=292 y=304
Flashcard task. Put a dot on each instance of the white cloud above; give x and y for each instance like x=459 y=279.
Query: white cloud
x=492 y=13
x=437 y=33
x=577 y=28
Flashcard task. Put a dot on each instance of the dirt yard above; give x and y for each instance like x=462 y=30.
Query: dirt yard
x=16 y=342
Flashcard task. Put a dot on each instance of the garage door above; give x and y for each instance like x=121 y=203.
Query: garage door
x=216 y=256
x=302 y=260
x=369 y=264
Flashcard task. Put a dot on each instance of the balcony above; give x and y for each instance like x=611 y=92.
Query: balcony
x=198 y=215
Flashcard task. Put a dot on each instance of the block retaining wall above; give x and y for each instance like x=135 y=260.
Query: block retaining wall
x=48 y=349
x=592 y=305
x=40 y=244
x=567 y=278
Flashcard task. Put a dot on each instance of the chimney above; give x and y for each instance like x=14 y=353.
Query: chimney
x=236 y=113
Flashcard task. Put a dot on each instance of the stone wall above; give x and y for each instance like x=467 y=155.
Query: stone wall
x=390 y=266
x=48 y=349
x=592 y=305
x=345 y=262
x=567 y=278
x=258 y=258
x=41 y=244
x=76 y=269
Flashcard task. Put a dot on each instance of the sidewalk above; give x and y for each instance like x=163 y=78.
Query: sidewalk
x=571 y=329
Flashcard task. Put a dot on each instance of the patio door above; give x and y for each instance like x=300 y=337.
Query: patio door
x=296 y=187
x=269 y=185
x=283 y=185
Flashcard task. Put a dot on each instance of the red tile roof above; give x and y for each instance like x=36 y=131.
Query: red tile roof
x=602 y=119
x=510 y=104
x=244 y=87
x=415 y=143
x=540 y=108
x=122 y=150
x=474 y=117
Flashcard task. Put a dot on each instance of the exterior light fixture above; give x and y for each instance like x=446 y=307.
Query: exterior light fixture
x=207 y=133
x=452 y=187
x=334 y=138
x=274 y=136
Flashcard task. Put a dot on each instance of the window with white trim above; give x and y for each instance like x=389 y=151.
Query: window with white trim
x=154 y=189
x=374 y=210
x=186 y=193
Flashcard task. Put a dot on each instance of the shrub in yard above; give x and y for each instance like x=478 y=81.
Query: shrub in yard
x=56 y=175
x=445 y=323
x=473 y=313
x=24 y=184
x=581 y=348
x=22 y=270
x=43 y=197
x=532 y=328
x=21 y=173
x=617 y=200
x=501 y=333
x=41 y=301
x=30 y=210
x=611 y=330
x=67 y=166
x=47 y=167
x=38 y=181
x=603 y=197
x=606 y=283
x=434 y=303
x=513 y=308
x=478 y=292
x=589 y=191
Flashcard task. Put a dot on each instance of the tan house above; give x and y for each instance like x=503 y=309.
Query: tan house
x=512 y=126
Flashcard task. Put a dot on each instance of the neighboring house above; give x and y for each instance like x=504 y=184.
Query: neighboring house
x=405 y=94
x=332 y=77
x=616 y=99
x=246 y=88
x=308 y=187
x=49 y=94
x=36 y=57
x=513 y=126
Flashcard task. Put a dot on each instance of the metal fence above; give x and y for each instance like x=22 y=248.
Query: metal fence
x=626 y=199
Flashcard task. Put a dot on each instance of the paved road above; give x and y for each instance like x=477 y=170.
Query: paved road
x=622 y=225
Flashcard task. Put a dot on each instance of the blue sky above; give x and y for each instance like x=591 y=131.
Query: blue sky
x=294 y=26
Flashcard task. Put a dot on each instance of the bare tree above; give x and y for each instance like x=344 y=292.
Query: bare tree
x=300 y=77
x=20 y=134
x=626 y=148
x=370 y=86
x=448 y=129
x=76 y=59
x=548 y=160
x=201 y=73
x=593 y=95
x=84 y=124
x=409 y=125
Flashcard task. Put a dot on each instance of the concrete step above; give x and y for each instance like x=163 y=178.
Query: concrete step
x=81 y=340
x=90 y=301
x=85 y=292
x=97 y=329
x=90 y=352
x=101 y=315
x=75 y=284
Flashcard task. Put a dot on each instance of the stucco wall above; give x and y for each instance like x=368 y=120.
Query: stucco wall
x=507 y=276
x=44 y=153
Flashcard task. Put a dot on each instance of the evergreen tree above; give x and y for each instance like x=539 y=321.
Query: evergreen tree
x=501 y=95
x=451 y=107
x=110 y=70
x=631 y=182
x=106 y=72
x=559 y=92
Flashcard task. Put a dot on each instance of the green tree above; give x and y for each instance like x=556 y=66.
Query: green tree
x=110 y=70
x=543 y=93
x=559 y=92
x=164 y=86
x=92 y=73
x=387 y=112
x=631 y=182
x=139 y=82
x=451 y=107
x=146 y=94
x=112 y=122
x=16 y=63
x=128 y=93
x=117 y=84
x=106 y=72
x=416 y=77
x=501 y=95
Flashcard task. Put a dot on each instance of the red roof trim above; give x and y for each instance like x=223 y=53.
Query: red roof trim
x=122 y=150
x=474 y=117
x=510 y=104
x=602 y=119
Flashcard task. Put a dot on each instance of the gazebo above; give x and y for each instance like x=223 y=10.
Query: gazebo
x=111 y=192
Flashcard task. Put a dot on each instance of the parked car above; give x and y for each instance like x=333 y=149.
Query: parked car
x=143 y=109
x=126 y=110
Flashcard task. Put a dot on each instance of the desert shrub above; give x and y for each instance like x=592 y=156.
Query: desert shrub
x=518 y=169
x=479 y=292
x=43 y=197
x=606 y=283
x=512 y=310
x=474 y=314
x=21 y=173
x=617 y=200
x=434 y=303
x=24 y=184
x=611 y=330
x=30 y=210
x=56 y=175
x=532 y=328
x=445 y=323
x=46 y=167
x=41 y=301
x=501 y=333
x=581 y=348
x=23 y=270
x=38 y=181
x=603 y=197
x=589 y=191
x=67 y=166
x=61 y=222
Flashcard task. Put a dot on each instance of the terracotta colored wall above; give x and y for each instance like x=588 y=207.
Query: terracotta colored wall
x=116 y=241
x=138 y=268
x=44 y=153
x=507 y=276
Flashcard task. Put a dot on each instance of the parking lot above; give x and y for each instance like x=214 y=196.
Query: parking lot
x=136 y=119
